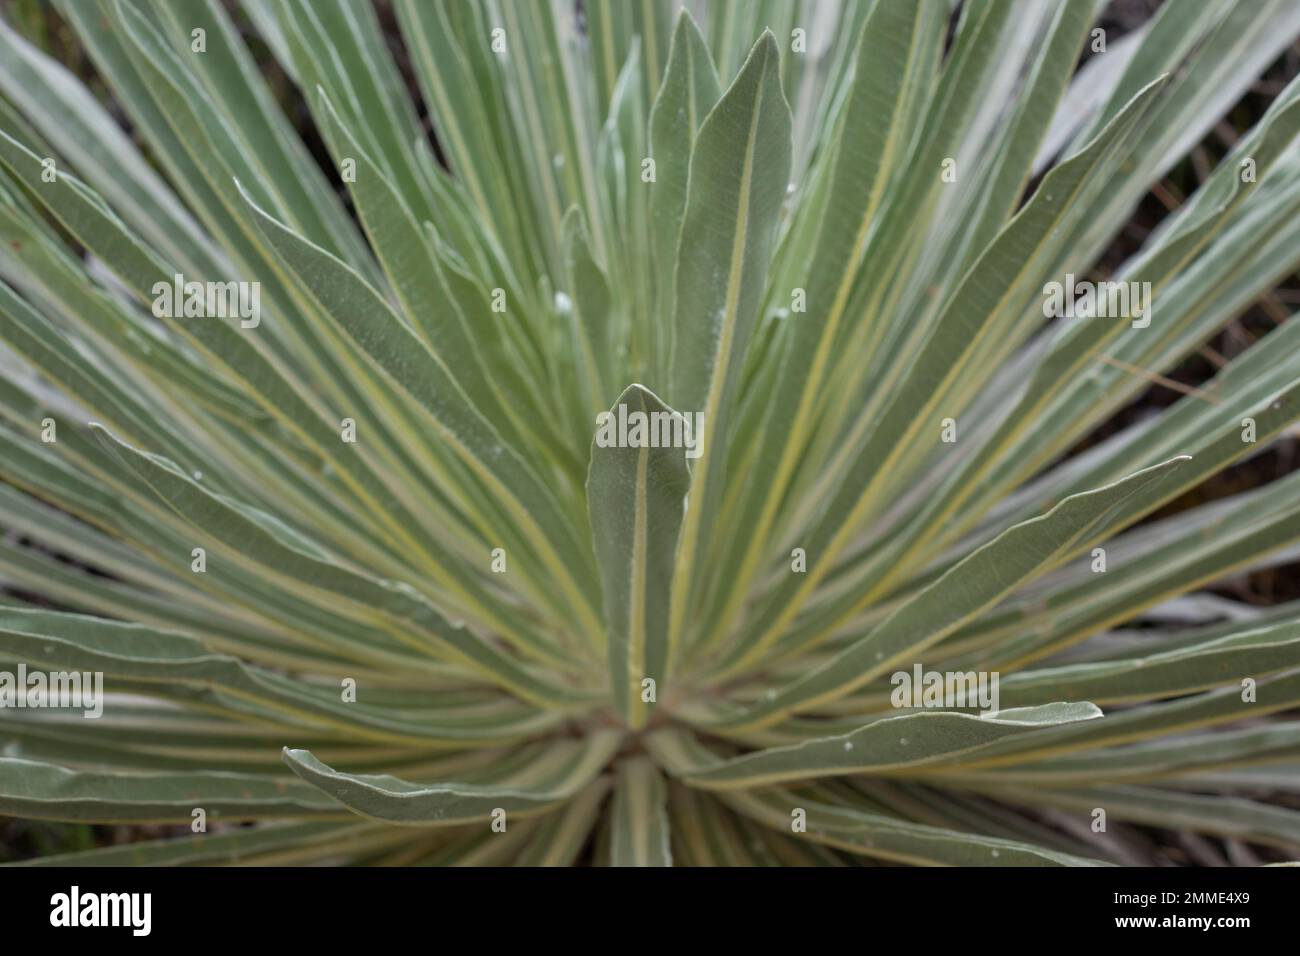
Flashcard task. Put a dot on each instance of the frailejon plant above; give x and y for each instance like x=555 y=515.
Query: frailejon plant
x=668 y=454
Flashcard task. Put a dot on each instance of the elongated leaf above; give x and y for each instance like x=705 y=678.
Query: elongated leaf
x=689 y=91
x=636 y=497
x=1159 y=760
x=48 y=792
x=890 y=838
x=738 y=175
x=592 y=312
x=639 y=816
x=570 y=766
x=895 y=744
x=1225 y=660
x=1222 y=706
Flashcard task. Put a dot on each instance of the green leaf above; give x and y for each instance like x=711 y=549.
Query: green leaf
x=739 y=170
x=592 y=313
x=42 y=791
x=890 y=745
x=890 y=838
x=1224 y=660
x=566 y=767
x=1166 y=761
x=639 y=816
x=1222 y=706
x=636 y=496
x=690 y=90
